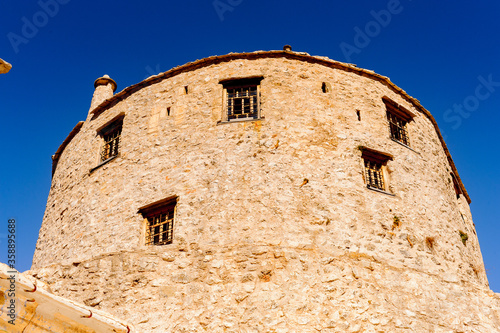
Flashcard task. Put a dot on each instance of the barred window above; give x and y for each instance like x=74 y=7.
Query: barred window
x=374 y=165
x=160 y=228
x=159 y=218
x=111 y=137
x=242 y=102
x=242 y=99
x=398 y=128
x=398 y=118
x=374 y=175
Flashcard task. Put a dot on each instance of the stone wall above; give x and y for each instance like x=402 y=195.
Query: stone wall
x=273 y=215
x=274 y=289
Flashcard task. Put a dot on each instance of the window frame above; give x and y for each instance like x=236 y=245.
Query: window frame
x=114 y=124
x=153 y=211
x=398 y=128
x=241 y=83
x=372 y=157
x=398 y=119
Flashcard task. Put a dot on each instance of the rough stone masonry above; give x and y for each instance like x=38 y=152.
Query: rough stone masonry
x=275 y=228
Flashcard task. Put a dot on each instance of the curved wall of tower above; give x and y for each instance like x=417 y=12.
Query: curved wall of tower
x=276 y=227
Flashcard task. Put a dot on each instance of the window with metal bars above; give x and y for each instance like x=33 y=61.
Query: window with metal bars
x=242 y=102
x=398 y=118
x=374 y=174
x=374 y=164
x=242 y=99
x=159 y=218
x=111 y=137
x=159 y=230
x=398 y=128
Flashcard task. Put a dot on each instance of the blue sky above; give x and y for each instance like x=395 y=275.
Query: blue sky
x=443 y=53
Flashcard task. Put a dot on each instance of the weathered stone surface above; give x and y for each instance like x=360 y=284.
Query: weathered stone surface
x=326 y=297
x=275 y=229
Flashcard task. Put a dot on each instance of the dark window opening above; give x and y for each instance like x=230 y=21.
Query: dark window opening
x=374 y=164
x=111 y=137
x=374 y=174
x=398 y=118
x=242 y=102
x=242 y=98
x=398 y=128
x=326 y=87
x=186 y=89
x=168 y=111
x=160 y=221
x=358 y=113
x=160 y=228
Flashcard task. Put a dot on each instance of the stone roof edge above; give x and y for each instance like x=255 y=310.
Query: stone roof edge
x=71 y=135
x=302 y=56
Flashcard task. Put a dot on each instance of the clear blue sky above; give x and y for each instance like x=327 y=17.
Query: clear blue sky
x=443 y=53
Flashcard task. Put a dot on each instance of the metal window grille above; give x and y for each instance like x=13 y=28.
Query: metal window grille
x=374 y=174
x=398 y=128
x=111 y=143
x=160 y=227
x=242 y=102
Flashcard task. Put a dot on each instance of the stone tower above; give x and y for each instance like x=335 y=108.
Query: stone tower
x=264 y=192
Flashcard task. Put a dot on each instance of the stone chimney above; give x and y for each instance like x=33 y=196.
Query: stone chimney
x=104 y=89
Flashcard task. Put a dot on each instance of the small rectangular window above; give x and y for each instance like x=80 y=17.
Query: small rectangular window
x=159 y=219
x=111 y=139
x=242 y=99
x=242 y=102
x=374 y=165
x=160 y=228
x=326 y=87
x=374 y=174
x=398 y=118
x=398 y=128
